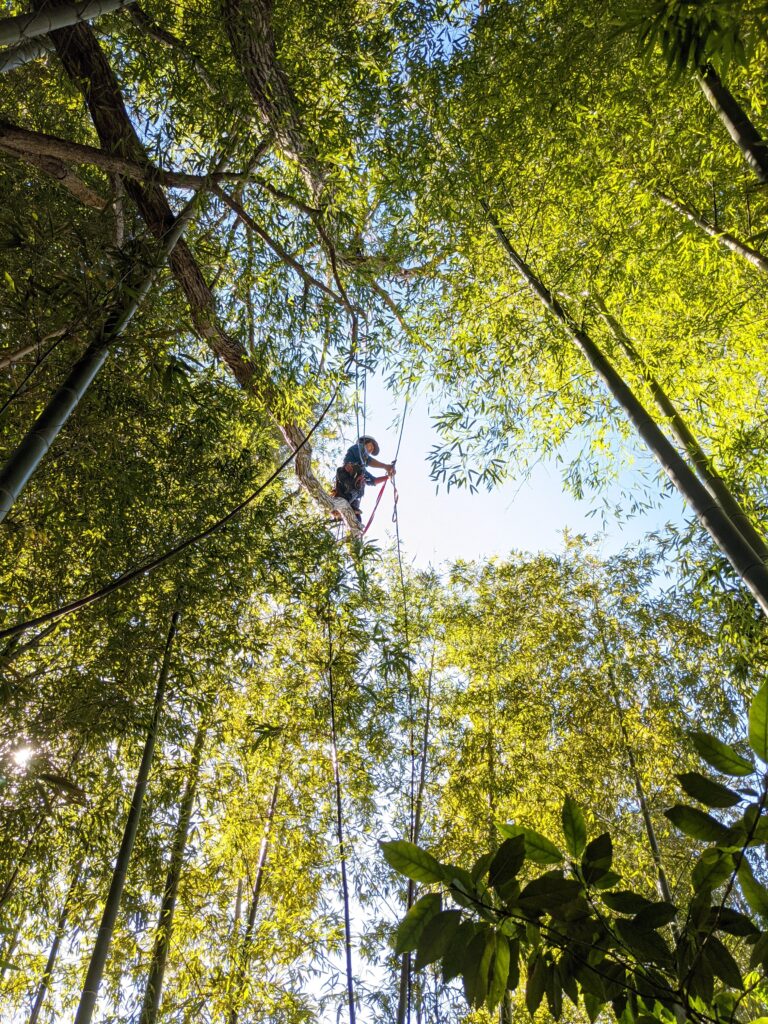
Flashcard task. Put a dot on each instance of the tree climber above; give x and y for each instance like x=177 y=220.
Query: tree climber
x=352 y=477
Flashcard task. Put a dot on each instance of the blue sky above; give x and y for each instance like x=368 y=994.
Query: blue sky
x=530 y=515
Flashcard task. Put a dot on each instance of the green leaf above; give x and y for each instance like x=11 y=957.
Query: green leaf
x=593 y=1004
x=758 y=723
x=725 y=919
x=645 y=945
x=720 y=755
x=759 y=955
x=696 y=824
x=499 y=973
x=436 y=936
x=626 y=902
x=509 y=858
x=456 y=954
x=574 y=827
x=411 y=861
x=655 y=916
x=480 y=867
x=547 y=891
x=712 y=868
x=723 y=964
x=513 y=977
x=478 y=961
x=537 y=980
x=537 y=847
x=411 y=927
x=707 y=791
x=755 y=894
x=597 y=858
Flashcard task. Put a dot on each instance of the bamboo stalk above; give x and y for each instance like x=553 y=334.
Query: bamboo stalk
x=723 y=531
x=340 y=837
x=736 y=121
x=711 y=479
x=26 y=458
x=45 y=981
x=154 y=988
x=112 y=905
x=254 y=904
x=27 y=26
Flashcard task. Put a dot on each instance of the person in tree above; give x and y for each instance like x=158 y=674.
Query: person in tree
x=352 y=477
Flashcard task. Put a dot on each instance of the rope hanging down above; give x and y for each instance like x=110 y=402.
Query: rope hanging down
x=142 y=570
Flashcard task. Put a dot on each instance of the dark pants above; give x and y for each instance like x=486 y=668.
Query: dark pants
x=350 y=484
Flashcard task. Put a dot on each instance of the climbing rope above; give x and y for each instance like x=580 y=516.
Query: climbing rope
x=143 y=570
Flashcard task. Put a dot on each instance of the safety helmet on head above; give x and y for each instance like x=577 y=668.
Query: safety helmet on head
x=365 y=439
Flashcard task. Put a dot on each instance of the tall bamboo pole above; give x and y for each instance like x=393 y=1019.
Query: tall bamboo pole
x=340 y=837
x=261 y=865
x=45 y=980
x=23 y=462
x=154 y=988
x=685 y=437
x=736 y=121
x=111 y=907
x=723 y=531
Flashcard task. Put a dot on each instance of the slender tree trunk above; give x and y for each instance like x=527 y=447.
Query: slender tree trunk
x=261 y=865
x=111 y=907
x=404 y=996
x=736 y=121
x=724 y=532
x=154 y=988
x=45 y=981
x=23 y=462
x=726 y=239
x=712 y=480
x=340 y=837
x=27 y=26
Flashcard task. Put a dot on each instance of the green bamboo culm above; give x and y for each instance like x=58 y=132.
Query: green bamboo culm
x=724 y=532
x=25 y=459
x=154 y=988
x=112 y=906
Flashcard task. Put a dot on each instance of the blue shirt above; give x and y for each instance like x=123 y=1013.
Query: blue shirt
x=359 y=455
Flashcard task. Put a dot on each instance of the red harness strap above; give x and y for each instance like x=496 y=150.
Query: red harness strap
x=378 y=499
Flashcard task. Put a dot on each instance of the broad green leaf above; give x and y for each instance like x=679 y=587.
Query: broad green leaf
x=720 y=755
x=597 y=858
x=645 y=945
x=477 y=966
x=758 y=723
x=593 y=1004
x=655 y=916
x=755 y=894
x=513 y=978
x=697 y=824
x=411 y=927
x=499 y=973
x=574 y=827
x=726 y=919
x=759 y=955
x=625 y=902
x=547 y=891
x=537 y=847
x=481 y=866
x=707 y=791
x=456 y=954
x=508 y=860
x=537 y=980
x=413 y=862
x=712 y=868
x=722 y=962
x=436 y=937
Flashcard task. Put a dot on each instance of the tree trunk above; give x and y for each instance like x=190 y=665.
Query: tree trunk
x=404 y=996
x=86 y=65
x=242 y=966
x=154 y=988
x=27 y=26
x=736 y=121
x=45 y=981
x=25 y=459
x=340 y=837
x=719 y=526
x=712 y=480
x=726 y=239
x=111 y=907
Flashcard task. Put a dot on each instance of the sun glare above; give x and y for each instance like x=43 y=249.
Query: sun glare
x=22 y=756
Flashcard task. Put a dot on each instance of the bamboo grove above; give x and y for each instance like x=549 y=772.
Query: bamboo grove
x=253 y=767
